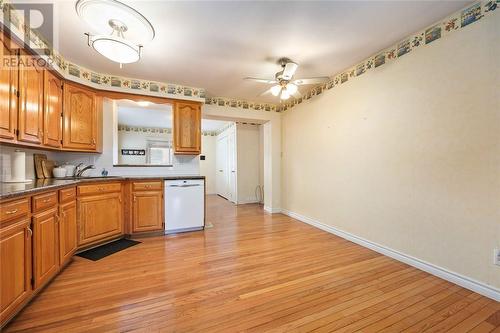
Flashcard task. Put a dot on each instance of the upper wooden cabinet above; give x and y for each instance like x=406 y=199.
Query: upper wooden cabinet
x=31 y=79
x=187 y=128
x=80 y=118
x=53 y=103
x=9 y=76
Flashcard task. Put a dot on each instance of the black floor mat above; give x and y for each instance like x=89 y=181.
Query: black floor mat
x=107 y=249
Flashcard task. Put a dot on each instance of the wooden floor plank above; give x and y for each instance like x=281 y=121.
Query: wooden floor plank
x=252 y=272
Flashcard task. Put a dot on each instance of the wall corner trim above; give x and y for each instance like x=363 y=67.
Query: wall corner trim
x=272 y=210
x=461 y=280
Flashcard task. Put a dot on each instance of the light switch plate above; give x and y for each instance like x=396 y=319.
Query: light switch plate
x=496 y=259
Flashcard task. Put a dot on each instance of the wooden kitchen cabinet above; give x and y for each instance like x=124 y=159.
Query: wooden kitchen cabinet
x=45 y=246
x=15 y=271
x=53 y=107
x=100 y=217
x=187 y=128
x=9 y=77
x=31 y=80
x=147 y=211
x=67 y=231
x=80 y=118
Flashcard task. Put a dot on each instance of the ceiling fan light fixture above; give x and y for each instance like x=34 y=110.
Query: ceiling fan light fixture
x=291 y=88
x=284 y=94
x=275 y=90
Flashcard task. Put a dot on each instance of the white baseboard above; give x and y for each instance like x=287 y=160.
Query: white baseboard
x=244 y=202
x=461 y=280
x=272 y=210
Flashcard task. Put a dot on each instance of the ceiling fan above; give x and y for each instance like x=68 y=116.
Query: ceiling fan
x=284 y=84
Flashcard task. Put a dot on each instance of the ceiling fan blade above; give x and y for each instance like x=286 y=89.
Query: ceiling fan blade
x=268 y=81
x=267 y=92
x=289 y=70
x=297 y=94
x=311 y=80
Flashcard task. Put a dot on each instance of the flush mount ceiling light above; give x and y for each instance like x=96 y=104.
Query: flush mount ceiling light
x=110 y=20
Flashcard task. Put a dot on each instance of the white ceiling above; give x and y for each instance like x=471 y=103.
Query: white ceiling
x=213 y=45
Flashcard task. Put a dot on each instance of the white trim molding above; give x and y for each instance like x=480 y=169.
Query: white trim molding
x=456 y=278
x=272 y=210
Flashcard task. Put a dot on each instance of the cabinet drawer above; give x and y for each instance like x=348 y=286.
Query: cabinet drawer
x=67 y=194
x=44 y=201
x=14 y=209
x=99 y=188
x=147 y=186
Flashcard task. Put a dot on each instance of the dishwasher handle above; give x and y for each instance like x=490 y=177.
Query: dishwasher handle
x=186 y=185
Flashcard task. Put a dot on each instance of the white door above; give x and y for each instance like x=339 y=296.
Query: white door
x=221 y=184
x=231 y=147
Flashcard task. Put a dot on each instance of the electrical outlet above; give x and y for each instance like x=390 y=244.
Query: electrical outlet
x=496 y=259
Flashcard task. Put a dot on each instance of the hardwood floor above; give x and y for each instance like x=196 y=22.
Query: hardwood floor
x=252 y=272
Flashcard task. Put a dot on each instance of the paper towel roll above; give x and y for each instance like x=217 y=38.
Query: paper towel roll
x=18 y=166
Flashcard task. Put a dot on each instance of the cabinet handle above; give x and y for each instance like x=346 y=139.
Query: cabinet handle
x=10 y=212
x=30 y=232
x=47 y=200
x=93 y=141
x=135 y=198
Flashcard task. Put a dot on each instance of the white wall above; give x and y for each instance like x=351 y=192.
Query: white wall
x=5 y=160
x=408 y=155
x=207 y=167
x=248 y=162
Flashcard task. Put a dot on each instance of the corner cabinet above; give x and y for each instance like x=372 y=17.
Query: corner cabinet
x=187 y=128
x=80 y=118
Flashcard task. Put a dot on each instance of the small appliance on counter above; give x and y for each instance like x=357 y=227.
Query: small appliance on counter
x=59 y=172
x=17 y=168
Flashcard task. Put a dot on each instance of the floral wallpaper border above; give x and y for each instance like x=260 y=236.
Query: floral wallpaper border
x=158 y=130
x=452 y=23
x=237 y=103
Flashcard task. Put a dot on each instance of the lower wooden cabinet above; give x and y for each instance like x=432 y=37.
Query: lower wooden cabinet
x=15 y=271
x=67 y=231
x=45 y=246
x=147 y=211
x=100 y=217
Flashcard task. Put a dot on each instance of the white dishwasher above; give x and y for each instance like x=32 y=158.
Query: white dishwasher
x=184 y=205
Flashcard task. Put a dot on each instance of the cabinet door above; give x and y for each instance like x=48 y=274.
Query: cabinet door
x=67 y=231
x=147 y=210
x=8 y=90
x=79 y=118
x=15 y=272
x=100 y=217
x=30 y=120
x=45 y=246
x=187 y=128
x=52 y=111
